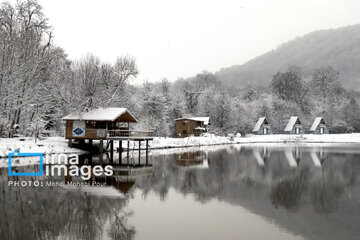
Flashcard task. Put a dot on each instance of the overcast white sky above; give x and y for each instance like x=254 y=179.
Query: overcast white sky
x=181 y=38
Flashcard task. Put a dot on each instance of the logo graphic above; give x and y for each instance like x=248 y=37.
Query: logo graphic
x=17 y=154
x=78 y=132
x=78 y=129
x=61 y=165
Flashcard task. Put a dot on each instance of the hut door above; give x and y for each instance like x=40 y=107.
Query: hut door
x=321 y=130
x=297 y=130
x=265 y=131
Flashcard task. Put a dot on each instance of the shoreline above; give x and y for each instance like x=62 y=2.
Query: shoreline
x=59 y=145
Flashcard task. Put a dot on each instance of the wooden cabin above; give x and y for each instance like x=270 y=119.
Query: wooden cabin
x=319 y=126
x=262 y=127
x=99 y=123
x=294 y=126
x=186 y=127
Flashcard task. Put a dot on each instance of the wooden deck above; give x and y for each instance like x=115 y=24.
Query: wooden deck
x=129 y=135
x=103 y=134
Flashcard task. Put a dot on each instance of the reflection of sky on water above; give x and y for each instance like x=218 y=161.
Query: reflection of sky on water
x=225 y=192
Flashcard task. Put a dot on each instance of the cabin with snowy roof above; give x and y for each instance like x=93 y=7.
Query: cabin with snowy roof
x=100 y=123
x=192 y=126
x=319 y=126
x=262 y=127
x=294 y=126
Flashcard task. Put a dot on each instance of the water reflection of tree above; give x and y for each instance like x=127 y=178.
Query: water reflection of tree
x=56 y=213
x=331 y=182
x=119 y=228
x=287 y=192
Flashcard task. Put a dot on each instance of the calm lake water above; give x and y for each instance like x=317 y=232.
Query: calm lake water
x=226 y=192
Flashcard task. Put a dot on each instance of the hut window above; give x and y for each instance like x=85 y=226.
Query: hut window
x=183 y=123
x=91 y=124
x=184 y=131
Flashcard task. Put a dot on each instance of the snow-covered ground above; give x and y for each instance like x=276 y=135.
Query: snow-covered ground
x=278 y=138
x=304 y=138
x=162 y=142
x=59 y=144
x=28 y=145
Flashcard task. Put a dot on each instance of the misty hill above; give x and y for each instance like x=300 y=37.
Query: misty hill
x=339 y=48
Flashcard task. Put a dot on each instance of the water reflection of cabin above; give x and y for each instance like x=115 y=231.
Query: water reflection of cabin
x=319 y=126
x=293 y=156
x=191 y=126
x=187 y=159
x=261 y=155
x=262 y=127
x=294 y=126
x=124 y=178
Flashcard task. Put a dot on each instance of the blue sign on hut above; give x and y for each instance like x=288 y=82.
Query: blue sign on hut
x=319 y=126
x=262 y=127
x=294 y=126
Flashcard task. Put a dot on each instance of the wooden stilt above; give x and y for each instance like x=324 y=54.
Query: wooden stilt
x=101 y=150
x=90 y=159
x=112 y=151
x=120 y=151
x=147 y=148
x=70 y=143
x=90 y=144
x=139 y=150
x=128 y=149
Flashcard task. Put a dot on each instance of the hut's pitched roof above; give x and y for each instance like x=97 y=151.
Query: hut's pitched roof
x=206 y=120
x=258 y=124
x=291 y=124
x=316 y=123
x=101 y=114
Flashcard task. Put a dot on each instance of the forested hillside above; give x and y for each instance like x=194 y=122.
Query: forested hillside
x=339 y=48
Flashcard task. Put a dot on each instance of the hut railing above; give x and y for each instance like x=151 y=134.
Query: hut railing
x=95 y=133
x=129 y=133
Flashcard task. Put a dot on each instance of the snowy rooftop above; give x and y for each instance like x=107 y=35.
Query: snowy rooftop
x=291 y=124
x=99 y=114
x=206 y=120
x=258 y=124
x=316 y=123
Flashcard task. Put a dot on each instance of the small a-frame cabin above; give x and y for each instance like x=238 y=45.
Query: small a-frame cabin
x=98 y=123
x=294 y=126
x=262 y=127
x=319 y=126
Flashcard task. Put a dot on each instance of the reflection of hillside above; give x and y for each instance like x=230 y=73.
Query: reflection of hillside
x=317 y=202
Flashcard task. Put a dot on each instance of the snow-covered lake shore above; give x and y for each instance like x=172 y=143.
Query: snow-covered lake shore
x=59 y=144
x=303 y=138
x=159 y=143
x=47 y=146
